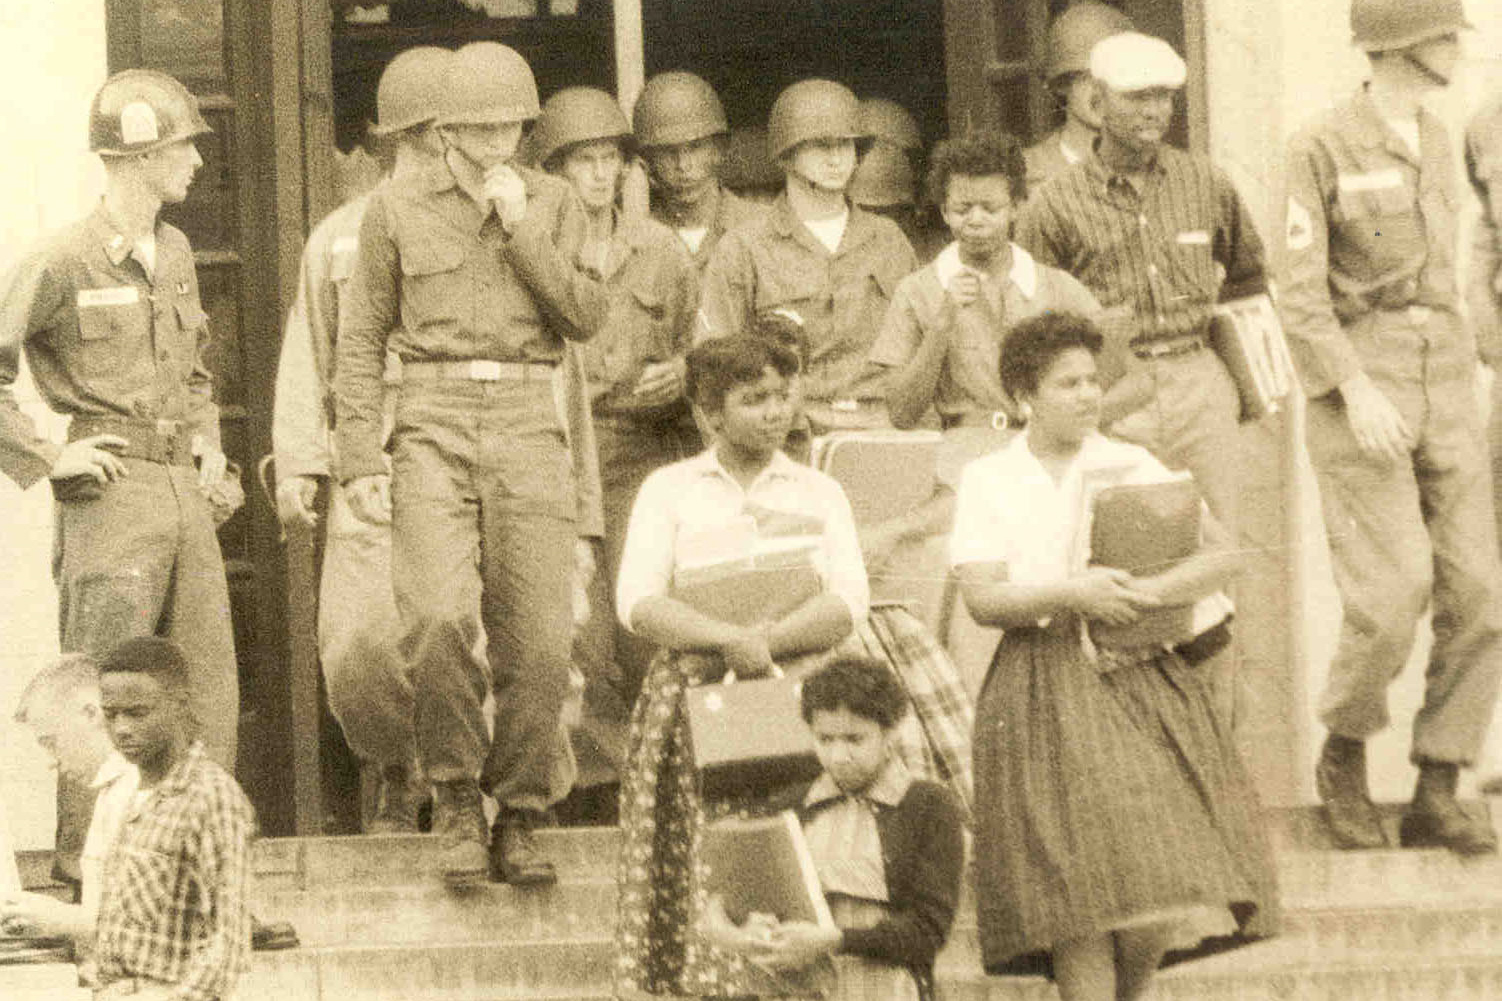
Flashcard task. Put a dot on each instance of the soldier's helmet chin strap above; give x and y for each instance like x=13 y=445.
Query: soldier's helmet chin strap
x=1434 y=75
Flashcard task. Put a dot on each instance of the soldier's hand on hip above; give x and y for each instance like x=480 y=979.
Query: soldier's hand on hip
x=370 y=498
x=294 y=500
x=1380 y=431
x=211 y=462
x=91 y=456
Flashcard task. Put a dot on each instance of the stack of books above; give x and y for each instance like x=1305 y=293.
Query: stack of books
x=1248 y=337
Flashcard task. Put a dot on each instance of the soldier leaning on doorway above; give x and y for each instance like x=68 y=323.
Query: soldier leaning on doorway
x=107 y=311
x=469 y=274
x=1370 y=304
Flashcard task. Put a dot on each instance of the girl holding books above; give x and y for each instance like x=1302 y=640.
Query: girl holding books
x=1116 y=829
x=888 y=848
x=741 y=497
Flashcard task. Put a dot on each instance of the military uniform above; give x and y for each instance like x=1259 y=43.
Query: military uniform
x=121 y=349
x=731 y=211
x=483 y=487
x=1483 y=150
x=776 y=263
x=1371 y=287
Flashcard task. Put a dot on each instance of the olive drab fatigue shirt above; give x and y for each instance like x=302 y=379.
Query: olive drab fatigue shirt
x=1483 y=155
x=1370 y=226
x=103 y=338
x=776 y=263
x=731 y=211
x=437 y=279
x=654 y=293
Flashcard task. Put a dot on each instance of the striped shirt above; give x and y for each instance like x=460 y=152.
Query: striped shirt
x=1159 y=250
x=173 y=907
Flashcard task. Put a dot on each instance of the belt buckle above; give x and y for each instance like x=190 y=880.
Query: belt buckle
x=845 y=406
x=1419 y=315
x=485 y=370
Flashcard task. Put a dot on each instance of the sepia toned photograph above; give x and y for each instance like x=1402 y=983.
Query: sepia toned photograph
x=861 y=500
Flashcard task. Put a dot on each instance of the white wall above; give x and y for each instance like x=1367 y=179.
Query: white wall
x=52 y=57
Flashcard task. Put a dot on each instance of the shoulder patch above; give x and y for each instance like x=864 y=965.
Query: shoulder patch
x=1300 y=226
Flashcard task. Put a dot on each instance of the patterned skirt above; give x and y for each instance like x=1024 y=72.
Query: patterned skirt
x=1105 y=799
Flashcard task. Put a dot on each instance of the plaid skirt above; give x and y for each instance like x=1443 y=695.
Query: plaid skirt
x=1104 y=797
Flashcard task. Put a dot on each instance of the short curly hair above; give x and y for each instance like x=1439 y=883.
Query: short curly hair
x=864 y=687
x=718 y=365
x=980 y=154
x=1034 y=343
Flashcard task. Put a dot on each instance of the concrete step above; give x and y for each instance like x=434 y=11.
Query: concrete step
x=1313 y=936
x=1302 y=828
x=309 y=863
x=1477 y=980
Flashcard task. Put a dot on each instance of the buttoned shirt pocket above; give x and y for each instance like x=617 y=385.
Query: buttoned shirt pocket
x=108 y=337
x=141 y=884
x=434 y=289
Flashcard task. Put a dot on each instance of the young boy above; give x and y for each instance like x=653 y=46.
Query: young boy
x=815 y=258
x=173 y=917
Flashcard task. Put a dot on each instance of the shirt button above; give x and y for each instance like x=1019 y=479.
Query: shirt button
x=164 y=354
x=1152 y=269
x=1142 y=221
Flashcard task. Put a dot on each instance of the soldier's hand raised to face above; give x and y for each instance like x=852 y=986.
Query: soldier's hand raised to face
x=508 y=191
x=370 y=498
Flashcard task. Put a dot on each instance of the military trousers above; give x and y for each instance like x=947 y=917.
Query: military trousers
x=483 y=517
x=143 y=559
x=1411 y=534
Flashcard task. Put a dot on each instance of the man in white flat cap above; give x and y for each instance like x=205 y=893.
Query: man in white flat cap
x=1159 y=236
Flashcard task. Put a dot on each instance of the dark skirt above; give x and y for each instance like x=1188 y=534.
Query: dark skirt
x=1101 y=798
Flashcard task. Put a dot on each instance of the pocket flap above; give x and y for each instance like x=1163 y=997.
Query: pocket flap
x=431 y=258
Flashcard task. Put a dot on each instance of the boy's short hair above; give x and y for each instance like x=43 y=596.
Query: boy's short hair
x=717 y=366
x=156 y=656
x=1032 y=345
x=67 y=676
x=981 y=154
x=864 y=687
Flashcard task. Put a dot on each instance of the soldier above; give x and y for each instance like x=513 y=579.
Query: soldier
x=634 y=367
x=1483 y=153
x=1159 y=236
x=107 y=310
x=829 y=266
x=886 y=179
x=367 y=678
x=468 y=273
x=1371 y=308
x=1066 y=69
x=681 y=131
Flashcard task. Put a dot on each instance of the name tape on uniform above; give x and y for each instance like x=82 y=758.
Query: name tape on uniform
x=124 y=295
x=1376 y=180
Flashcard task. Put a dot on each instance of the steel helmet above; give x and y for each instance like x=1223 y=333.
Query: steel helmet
x=411 y=89
x=488 y=83
x=676 y=108
x=1074 y=33
x=884 y=177
x=813 y=109
x=890 y=121
x=1384 y=25
x=138 y=110
x=576 y=115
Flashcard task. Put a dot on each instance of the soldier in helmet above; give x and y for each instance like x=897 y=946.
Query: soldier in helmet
x=1071 y=36
x=886 y=179
x=816 y=260
x=367 y=678
x=635 y=372
x=469 y=273
x=107 y=311
x=1371 y=307
x=681 y=132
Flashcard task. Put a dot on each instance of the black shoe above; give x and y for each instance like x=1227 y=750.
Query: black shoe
x=1340 y=779
x=273 y=936
x=1435 y=819
x=397 y=800
x=514 y=855
x=459 y=818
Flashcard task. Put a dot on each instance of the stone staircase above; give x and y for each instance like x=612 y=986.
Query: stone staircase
x=377 y=926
